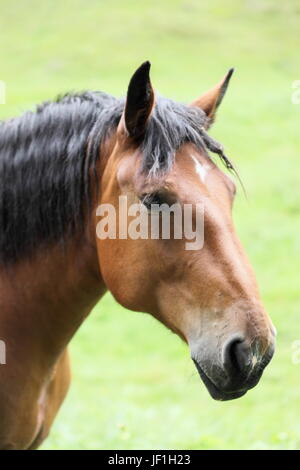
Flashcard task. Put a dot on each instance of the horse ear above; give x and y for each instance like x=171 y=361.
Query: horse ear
x=210 y=101
x=139 y=102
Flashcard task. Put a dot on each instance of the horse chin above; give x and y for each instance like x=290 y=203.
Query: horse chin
x=215 y=392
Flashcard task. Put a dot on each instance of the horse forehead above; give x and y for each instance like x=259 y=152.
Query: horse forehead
x=201 y=168
x=196 y=163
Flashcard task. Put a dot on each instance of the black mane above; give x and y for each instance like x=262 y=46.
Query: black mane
x=46 y=157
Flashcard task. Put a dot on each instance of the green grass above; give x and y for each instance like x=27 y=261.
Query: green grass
x=134 y=385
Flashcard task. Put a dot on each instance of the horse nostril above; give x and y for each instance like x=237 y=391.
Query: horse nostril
x=236 y=357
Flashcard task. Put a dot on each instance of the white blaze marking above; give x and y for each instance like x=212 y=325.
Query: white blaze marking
x=200 y=169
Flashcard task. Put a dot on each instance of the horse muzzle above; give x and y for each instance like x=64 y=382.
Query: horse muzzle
x=237 y=368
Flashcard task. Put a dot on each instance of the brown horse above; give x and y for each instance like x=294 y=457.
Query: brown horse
x=57 y=165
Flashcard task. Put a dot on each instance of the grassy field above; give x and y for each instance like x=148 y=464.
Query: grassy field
x=134 y=385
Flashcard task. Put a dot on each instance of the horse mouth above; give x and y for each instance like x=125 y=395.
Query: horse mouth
x=215 y=392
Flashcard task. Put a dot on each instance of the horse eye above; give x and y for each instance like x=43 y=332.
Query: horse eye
x=153 y=198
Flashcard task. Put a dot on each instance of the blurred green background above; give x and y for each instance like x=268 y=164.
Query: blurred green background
x=134 y=385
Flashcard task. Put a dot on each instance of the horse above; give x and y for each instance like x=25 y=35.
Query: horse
x=58 y=164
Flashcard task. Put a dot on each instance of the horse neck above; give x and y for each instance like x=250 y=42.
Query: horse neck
x=49 y=294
